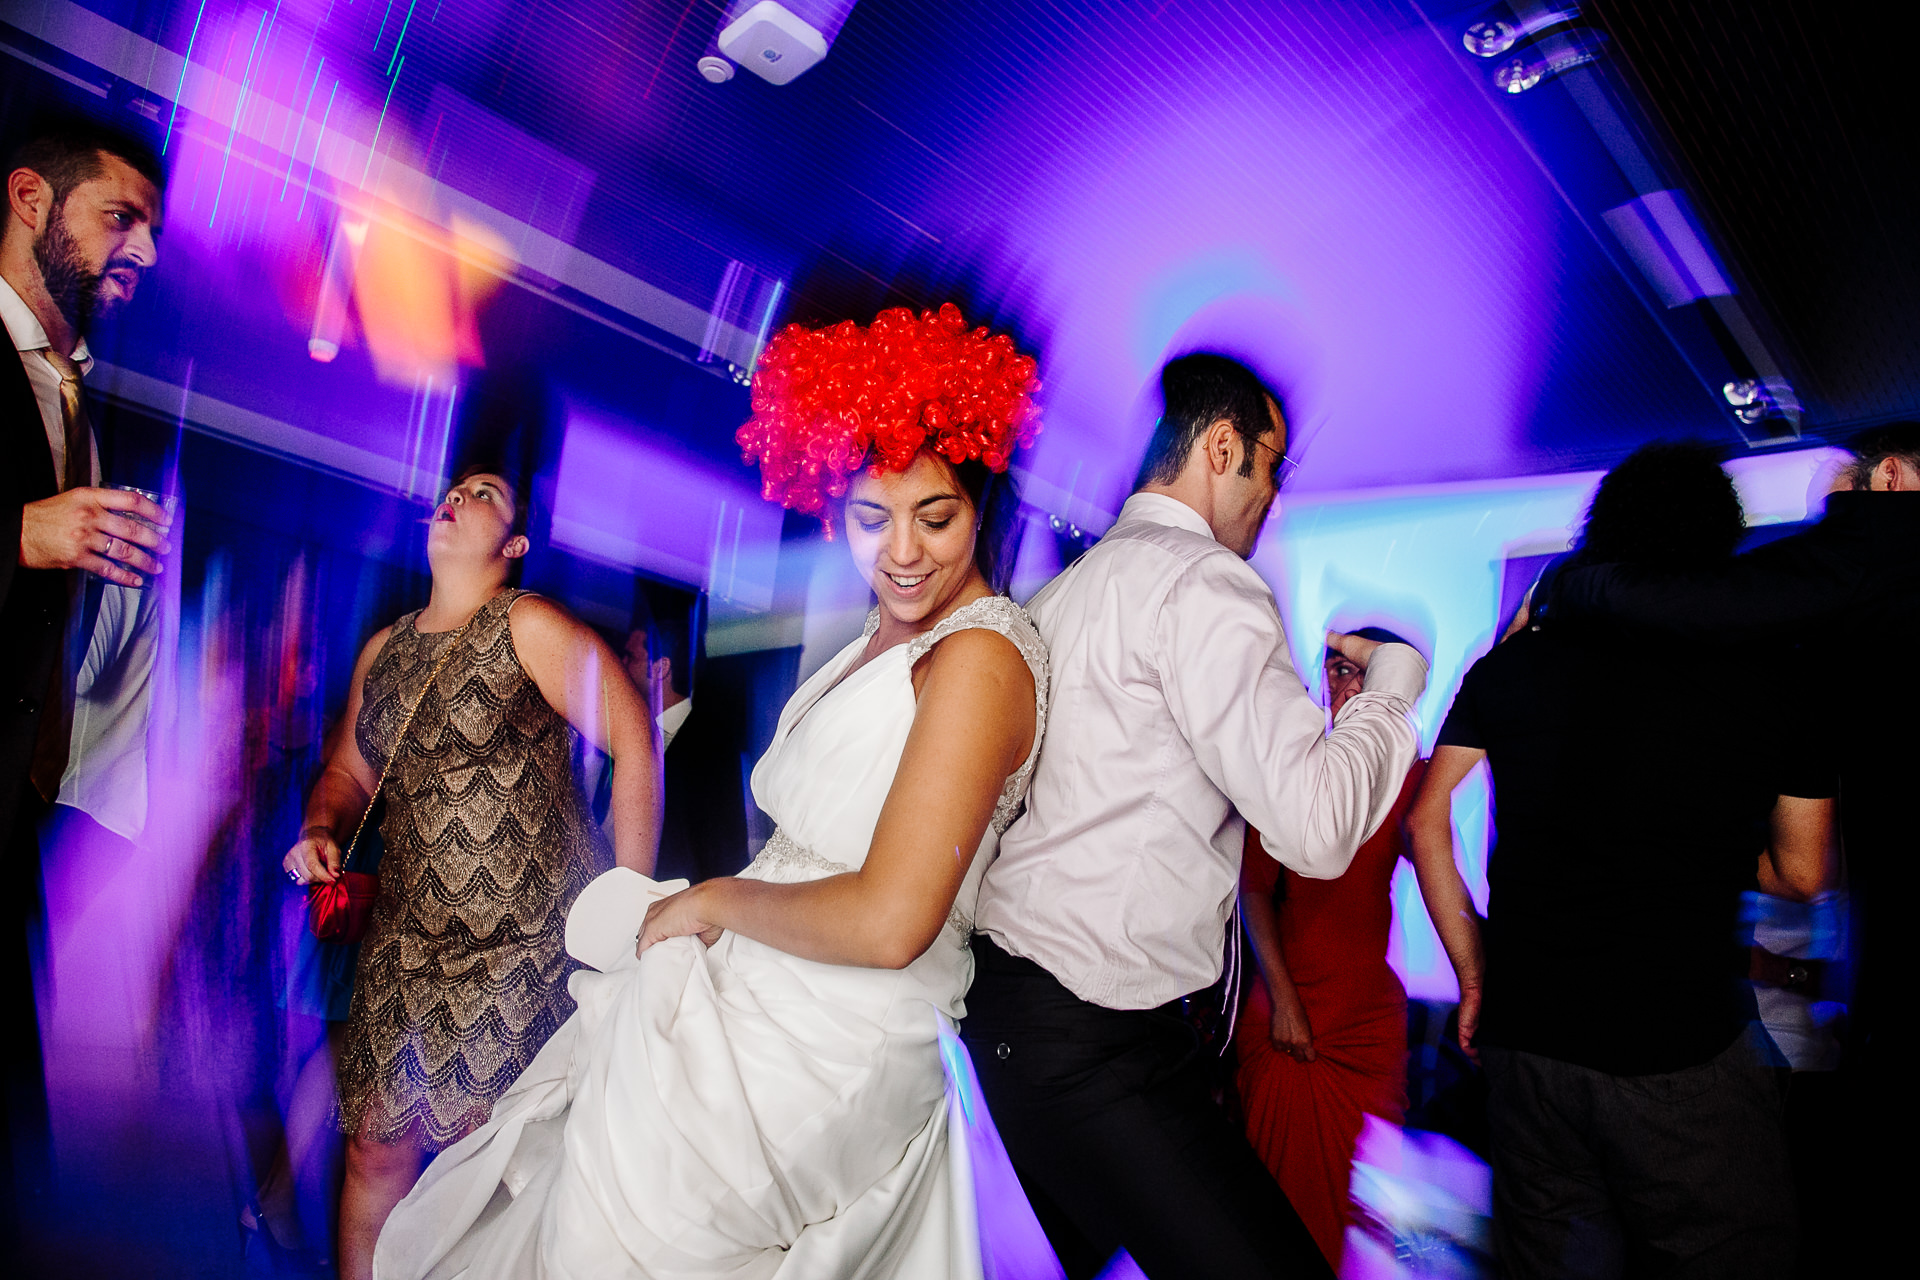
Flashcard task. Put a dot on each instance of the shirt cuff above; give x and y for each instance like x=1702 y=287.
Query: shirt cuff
x=1397 y=669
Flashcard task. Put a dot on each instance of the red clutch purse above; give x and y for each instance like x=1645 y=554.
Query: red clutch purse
x=339 y=912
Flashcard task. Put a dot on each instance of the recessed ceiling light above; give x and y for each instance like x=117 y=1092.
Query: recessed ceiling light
x=1489 y=39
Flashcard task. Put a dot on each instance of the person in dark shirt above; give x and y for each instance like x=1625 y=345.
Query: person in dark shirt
x=1633 y=1110
x=1848 y=586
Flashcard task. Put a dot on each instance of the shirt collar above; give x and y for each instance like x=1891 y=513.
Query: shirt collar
x=1158 y=508
x=672 y=718
x=28 y=333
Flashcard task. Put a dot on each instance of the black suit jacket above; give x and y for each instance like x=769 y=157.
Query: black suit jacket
x=703 y=831
x=33 y=602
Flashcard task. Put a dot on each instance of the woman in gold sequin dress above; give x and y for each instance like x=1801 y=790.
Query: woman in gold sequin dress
x=488 y=840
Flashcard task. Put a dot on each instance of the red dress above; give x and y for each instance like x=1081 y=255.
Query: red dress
x=1304 y=1117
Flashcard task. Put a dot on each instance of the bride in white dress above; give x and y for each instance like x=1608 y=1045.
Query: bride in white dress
x=761 y=1093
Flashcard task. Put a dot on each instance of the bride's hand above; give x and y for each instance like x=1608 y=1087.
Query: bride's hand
x=678 y=916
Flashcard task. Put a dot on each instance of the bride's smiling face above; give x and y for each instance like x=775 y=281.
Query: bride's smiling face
x=911 y=534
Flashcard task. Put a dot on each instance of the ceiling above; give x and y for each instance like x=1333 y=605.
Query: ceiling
x=1793 y=123
x=1333 y=190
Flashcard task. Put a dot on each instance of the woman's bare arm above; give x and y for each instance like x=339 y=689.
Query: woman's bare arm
x=1430 y=834
x=974 y=727
x=583 y=681
x=344 y=789
x=1290 y=1031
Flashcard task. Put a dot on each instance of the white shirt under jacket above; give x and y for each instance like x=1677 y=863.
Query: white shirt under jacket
x=1175 y=703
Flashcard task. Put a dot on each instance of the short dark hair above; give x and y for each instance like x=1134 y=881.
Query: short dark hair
x=1669 y=504
x=1196 y=391
x=1876 y=444
x=670 y=636
x=66 y=152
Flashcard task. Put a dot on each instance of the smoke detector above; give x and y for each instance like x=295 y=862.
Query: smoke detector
x=773 y=42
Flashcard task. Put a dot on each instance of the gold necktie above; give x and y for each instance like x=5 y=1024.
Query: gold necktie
x=73 y=416
x=53 y=742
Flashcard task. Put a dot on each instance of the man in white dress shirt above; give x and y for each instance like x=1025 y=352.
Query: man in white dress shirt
x=82 y=207
x=1176 y=717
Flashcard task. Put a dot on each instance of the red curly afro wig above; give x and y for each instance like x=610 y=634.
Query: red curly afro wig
x=828 y=401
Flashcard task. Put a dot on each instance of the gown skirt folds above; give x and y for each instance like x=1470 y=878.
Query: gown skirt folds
x=1304 y=1118
x=738 y=1111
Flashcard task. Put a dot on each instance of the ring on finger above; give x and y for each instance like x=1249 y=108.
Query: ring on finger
x=108 y=553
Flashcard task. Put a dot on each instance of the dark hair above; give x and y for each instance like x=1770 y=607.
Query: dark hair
x=670 y=636
x=996 y=504
x=1876 y=444
x=1380 y=634
x=1668 y=504
x=1197 y=391
x=66 y=152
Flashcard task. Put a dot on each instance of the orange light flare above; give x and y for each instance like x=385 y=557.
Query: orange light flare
x=419 y=287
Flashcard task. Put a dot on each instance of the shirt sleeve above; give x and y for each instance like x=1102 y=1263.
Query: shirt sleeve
x=1235 y=696
x=1792 y=583
x=1461 y=728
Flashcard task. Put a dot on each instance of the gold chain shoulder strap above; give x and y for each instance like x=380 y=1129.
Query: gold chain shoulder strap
x=405 y=726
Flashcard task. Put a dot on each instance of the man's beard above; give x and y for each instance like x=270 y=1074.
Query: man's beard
x=70 y=282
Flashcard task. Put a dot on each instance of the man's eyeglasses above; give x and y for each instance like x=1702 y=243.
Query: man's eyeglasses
x=1283 y=466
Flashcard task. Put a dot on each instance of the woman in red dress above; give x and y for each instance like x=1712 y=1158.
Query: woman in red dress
x=1322 y=1040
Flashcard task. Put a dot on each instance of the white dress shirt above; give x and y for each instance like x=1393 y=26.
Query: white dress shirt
x=670 y=721
x=30 y=339
x=1175 y=703
x=106 y=773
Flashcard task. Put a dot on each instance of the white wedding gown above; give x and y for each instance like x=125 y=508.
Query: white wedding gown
x=738 y=1112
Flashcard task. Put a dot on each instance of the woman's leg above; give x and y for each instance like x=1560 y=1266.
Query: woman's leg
x=379 y=1175
x=313 y=1143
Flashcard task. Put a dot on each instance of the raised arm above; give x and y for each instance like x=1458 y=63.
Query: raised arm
x=1789 y=584
x=1430 y=840
x=973 y=728
x=343 y=790
x=581 y=679
x=1231 y=685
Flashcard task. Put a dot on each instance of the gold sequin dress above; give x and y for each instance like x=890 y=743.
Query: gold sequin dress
x=489 y=839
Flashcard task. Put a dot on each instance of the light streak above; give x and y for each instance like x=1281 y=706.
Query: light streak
x=382 y=124
x=383 y=26
x=317 y=140
x=294 y=153
x=184 y=64
x=402 y=37
x=239 y=105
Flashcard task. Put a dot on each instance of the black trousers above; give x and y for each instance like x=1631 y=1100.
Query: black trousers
x=24 y=1145
x=1112 y=1128
x=1681 y=1174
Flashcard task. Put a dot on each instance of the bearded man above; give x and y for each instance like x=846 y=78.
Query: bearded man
x=82 y=210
